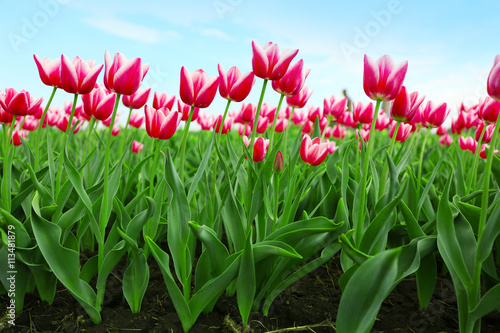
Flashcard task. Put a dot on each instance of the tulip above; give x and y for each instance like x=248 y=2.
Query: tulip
x=493 y=85
x=308 y=127
x=63 y=122
x=488 y=132
x=78 y=76
x=314 y=112
x=405 y=105
x=136 y=120
x=260 y=148
x=403 y=133
x=381 y=80
x=435 y=115
x=137 y=100
x=300 y=99
x=162 y=123
x=489 y=109
x=334 y=106
x=206 y=122
x=233 y=85
x=245 y=130
x=115 y=131
x=467 y=120
x=313 y=151
x=467 y=143
x=338 y=131
x=268 y=111
x=445 y=140
x=262 y=125
x=348 y=120
x=19 y=103
x=362 y=113
x=281 y=125
x=441 y=130
x=5 y=117
x=482 y=154
x=332 y=147
x=30 y=123
x=197 y=89
x=99 y=104
x=162 y=100
x=299 y=117
x=293 y=80
x=107 y=122
x=184 y=109
x=268 y=62
x=123 y=76
x=49 y=71
x=137 y=146
x=228 y=122
x=382 y=121
x=279 y=162
x=247 y=112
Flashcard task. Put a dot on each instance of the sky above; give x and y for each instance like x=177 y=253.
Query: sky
x=449 y=45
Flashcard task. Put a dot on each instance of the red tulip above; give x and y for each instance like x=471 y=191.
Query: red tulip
x=362 y=113
x=299 y=117
x=19 y=103
x=467 y=143
x=78 y=76
x=435 y=115
x=136 y=120
x=184 y=109
x=313 y=151
x=405 y=105
x=488 y=132
x=62 y=123
x=494 y=80
x=403 y=133
x=381 y=80
x=268 y=112
x=348 y=120
x=382 y=121
x=137 y=100
x=281 y=125
x=245 y=130
x=268 y=62
x=488 y=109
x=228 y=123
x=16 y=137
x=300 y=99
x=262 y=125
x=332 y=147
x=259 y=148
x=99 y=104
x=279 y=162
x=338 y=131
x=107 y=122
x=162 y=100
x=49 y=71
x=293 y=80
x=162 y=123
x=247 y=112
x=445 y=140
x=137 y=146
x=441 y=130
x=233 y=85
x=334 y=106
x=30 y=123
x=205 y=121
x=314 y=112
x=5 y=117
x=197 y=88
x=482 y=153
x=123 y=76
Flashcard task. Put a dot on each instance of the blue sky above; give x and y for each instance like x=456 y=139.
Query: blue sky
x=450 y=46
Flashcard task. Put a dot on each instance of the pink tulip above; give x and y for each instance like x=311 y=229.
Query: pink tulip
x=338 y=131
x=482 y=153
x=137 y=146
x=279 y=162
x=382 y=121
x=405 y=105
x=332 y=147
x=184 y=109
x=299 y=117
x=467 y=143
x=30 y=123
x=488 y=132
x=136 y=120
x=162 y=123
x=245 y=129
x=107 y=122
x=19 y=103
x=334 y=106
x=116 y=130
x=348 y=120
x=494 y=80
x=99 y=104
x=197 y=88
x=300 y=99
x=228 y=123
x=5 y=117
x=314 y=112
x=285 y=113
x=467 y=120
x=49 y=71
x=205 y=121
x=489 y=109
x=262 y=125
x=441 y=130
x=247 y=112
x=362 y=113
x=455 y=127
x=78 y=76
x=268 y=111
x=68 y=106
x=381 y=80
x=435 y=115
x=403 y=133
x=162 y=100
x=16 y=137
x=137 y=100
x=268 y=62
x=281 y=125
x=445 y=140
x=259 y=149
x=233 y=85
x=308 y=127
x=63 y=121
x=293 y=80
x=313 y=151
x=123 y=76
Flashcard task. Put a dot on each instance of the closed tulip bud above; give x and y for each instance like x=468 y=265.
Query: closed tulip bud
x=197 y=88
x=313 y=151
x=123 y=76
x=381 y=80
x=268 y=62
x=233 y=85
x=137 y=100
x=493 y=85
x=16 y=137
x=300 y=99
x=335 y=107
x=362 y=113
x=293 y=80
x=262 y=124
x=116 y=130
x=161 y=100
x=279 y=162
x=247 y=112
x=162 y=123
x=445 y=140
x=137 y=146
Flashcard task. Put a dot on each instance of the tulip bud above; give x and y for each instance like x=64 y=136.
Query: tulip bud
x=279 y=162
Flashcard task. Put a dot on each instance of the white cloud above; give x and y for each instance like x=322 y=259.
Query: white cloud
x=216 y=33
x=129 y=30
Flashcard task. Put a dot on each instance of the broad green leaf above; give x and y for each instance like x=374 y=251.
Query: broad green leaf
x=245 y=287
x=135 y=280
x=488 y=303
x=356 y=255
x=201 y=168
x=489 y=235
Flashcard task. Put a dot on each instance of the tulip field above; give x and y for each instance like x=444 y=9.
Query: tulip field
x=132 y=186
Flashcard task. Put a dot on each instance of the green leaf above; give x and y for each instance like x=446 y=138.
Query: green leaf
x=216 y=250
x=245 y=286
x=201 y=168
x=22 y=237
x=490 y=234
x=264 y=249
x=414 y=229
x=135 y=280
x=132 y=178
x=356 y=255
x=488 y=303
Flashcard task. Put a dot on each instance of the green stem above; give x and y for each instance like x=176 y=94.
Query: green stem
x=256 y=120
x=471 y=185
x=7 y=169
x=274 y=122
x=183 y=143
x=359 y=224
x=156 y=149
x=276 y=188
x=419 y=179
x=124 y=138
x=383 y=180
x=89 y=132
x=103 y=220
x=286 y=132
x=39 y=130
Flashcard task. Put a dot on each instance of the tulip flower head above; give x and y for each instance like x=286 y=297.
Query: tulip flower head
x=382 y=80
x=162 y=123
x=279 y=162
x=136 y=120
x=405 y=105
x=78 y=76
x=334 y=106
x=137 y=100
x=123 y=76
x=99 y=104
x=313 y=151
x=259 y=149
x=314 y=112
x=137 y=146
x=300 y=99
x=489 y=109
x=293 y=80
x=435 y=114
x=362 y=113
x=163 y=100
x=467 y=143
x=445 y=140
x=233 y=85
x=382 y=121
x=49 y=71
x=281 y=125
x=493 y=85
x=184 y=109
x=403 y=133
x=245 y=130
x=247 y=112
x=483 y=154
x=197 y=89
x=268 y=62
x=488 y=132
x=228 y=123
x=19 y=103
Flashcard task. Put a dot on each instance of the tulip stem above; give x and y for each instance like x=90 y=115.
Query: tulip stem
x=89 y=133
x=419 y=179
x=274 y=122
x=257 y=113
x=7 y=169
x=156 y=149
x=65 y=143
x=39 y=130
x=286 y=132
x=103 y=218
x=472 y=180
x=359 y=224
x=124 y=139
x=383 y=180
x=183 y=143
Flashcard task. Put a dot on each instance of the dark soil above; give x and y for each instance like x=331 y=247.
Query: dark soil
x=309 y=305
